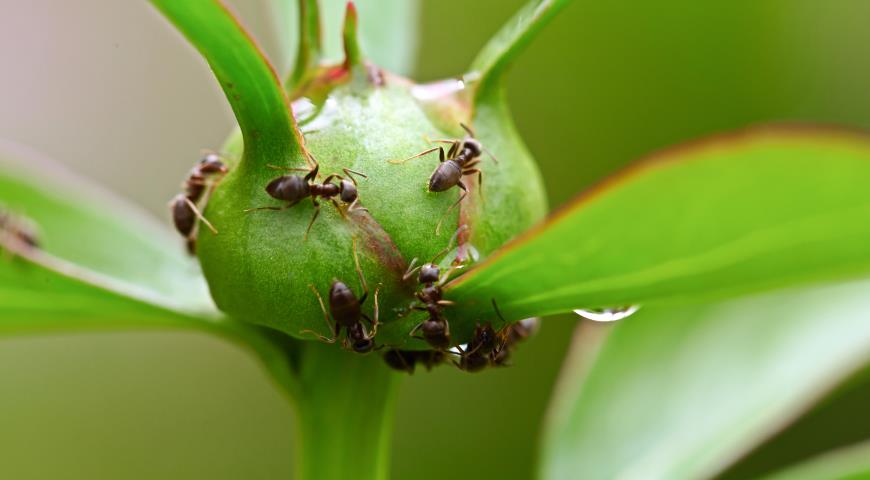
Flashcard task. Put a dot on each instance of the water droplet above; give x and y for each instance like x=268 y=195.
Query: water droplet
x=609 y=314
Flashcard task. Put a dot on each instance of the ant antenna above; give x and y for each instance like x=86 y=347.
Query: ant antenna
x=425 y=152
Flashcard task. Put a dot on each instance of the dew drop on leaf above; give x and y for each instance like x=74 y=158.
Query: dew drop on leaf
x=609 y=314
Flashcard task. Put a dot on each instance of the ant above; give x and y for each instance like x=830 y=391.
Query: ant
x=510 y=336
x=183 y=206
x=346 y=309
x=295 y=188
x=479 y=351
x=435 y=329
x=406 y=360
x=461 y=159
x=17 y=232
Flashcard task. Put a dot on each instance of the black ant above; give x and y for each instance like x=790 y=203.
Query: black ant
x=479 y=351
x=346 y=310
x=17 y=232
x=508 y=338
x=406 y=360
x=183 y=206
x=510 y=335
x=295 y=188
x=461 y=159
x=435 y=330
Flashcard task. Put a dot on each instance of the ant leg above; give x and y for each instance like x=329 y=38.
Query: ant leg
x=461 y=197
x=330 y=177
x=334 y=329
x=470 y=171
x=359 y=272
x=313 y=218
x=449 y=244
x=414 y=330
x=374 y=323
x=313 y=172
x=354 y=206
x=199 y=215
x=454 y=149
x=425 y=152
x=349 y=173
x=467 y=129
x=498 y=312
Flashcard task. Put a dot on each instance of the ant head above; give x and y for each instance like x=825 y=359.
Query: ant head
x=429 y=273
x=473 y=145
x=363 y=345
x=212 y=163
x=484 y=338
x=348 y=191
x=288 y=188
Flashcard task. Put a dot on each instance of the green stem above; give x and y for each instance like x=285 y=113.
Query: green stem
x=345 y=409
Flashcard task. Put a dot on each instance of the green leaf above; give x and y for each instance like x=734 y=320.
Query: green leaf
x=683 y=393
x=498 y=54
x=388 y=31
x=308 y=54
x=250 y=83
x=734 y=214
x=96 y=231
x=850 y=463
x=103 y=264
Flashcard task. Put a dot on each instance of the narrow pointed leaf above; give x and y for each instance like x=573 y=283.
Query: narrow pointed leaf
x=490 y=65
x=388 y=30
x=684 y=393
x=849 y=463
x=730 y=215
x=248 y=80
x=308 y=54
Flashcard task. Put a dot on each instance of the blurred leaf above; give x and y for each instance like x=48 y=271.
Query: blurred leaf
x=852 y=463
x=501 y=50
x=83 y=224
x=388 y=30
x=103 y=264
x=248 y=80
x=683 y=393
x=835 y=422
x=733 y=214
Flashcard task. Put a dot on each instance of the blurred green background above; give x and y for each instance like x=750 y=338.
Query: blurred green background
x=111 y=90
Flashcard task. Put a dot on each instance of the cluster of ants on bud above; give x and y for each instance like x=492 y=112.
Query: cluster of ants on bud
x=486 y=347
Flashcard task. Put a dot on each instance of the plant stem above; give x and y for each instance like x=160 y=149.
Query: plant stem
x=344 y=414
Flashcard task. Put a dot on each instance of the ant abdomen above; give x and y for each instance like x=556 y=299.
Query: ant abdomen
x=445 y=177
x=289 y=188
